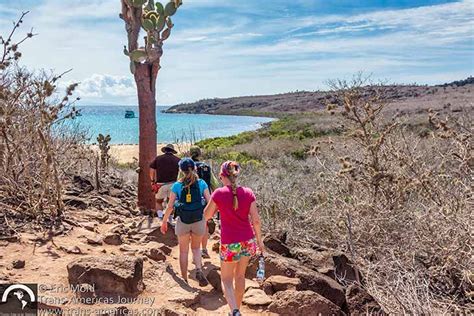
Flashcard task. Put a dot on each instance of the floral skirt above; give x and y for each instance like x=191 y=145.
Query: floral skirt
x=233 y=252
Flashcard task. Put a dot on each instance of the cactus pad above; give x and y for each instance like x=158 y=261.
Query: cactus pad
x=148 y=25
x=160 y=23
x=166 y=33
x=159 y=8
x=170 y=9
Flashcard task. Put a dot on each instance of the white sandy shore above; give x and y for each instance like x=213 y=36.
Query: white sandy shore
x=127 y=153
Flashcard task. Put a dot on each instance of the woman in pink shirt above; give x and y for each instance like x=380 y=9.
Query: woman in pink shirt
x=238 y=213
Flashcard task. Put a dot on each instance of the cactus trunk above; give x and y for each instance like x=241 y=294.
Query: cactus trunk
x=145 y=78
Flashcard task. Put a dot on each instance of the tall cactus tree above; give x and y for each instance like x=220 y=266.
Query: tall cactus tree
x=154 y=20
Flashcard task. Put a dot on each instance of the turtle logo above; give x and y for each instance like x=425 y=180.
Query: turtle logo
x=19 y=293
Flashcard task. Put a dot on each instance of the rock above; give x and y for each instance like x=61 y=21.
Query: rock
x=251 y=284
x=329 y=262
x=177 y=291
x=121 y=211
x=345 y=270
x=82 y=183
x=156 y=254
x=13 y=238
x=115 y=275
x=72 y=250
x=113 y=239
x=360 y=302
x=276 y=246
x=310 y=280
x=109 y=200
x=75 y=201
x=302 y=303
x=119 y=229
x=87 y=293
x=89 y=226
x=128 y=249
x=153 y=233
x=97 y=216
x=94 y=240
x=18 y=264
x=214 y=278
x=216 y=247
x=256 y=297
x=114 y=192
x=322 y=285
x=156 y=245
x=277 y=283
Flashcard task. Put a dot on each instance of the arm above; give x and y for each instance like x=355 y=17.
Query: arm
x=207 y=195
x=257 y=224
x=152 y=175
x=169 y=209
x=210 y=210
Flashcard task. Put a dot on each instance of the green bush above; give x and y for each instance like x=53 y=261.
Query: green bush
x=226 y=142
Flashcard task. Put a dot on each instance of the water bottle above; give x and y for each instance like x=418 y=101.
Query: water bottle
x=261 y=269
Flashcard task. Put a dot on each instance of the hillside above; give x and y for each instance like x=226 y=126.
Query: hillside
x=456 y=93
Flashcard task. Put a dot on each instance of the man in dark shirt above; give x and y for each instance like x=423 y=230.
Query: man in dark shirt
x=163 y=173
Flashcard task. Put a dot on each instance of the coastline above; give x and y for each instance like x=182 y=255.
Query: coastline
x=128 y=153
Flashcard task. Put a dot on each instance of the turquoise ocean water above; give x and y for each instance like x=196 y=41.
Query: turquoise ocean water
x=171 y=127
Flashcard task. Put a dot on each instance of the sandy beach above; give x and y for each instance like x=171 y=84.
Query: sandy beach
x=127 y=153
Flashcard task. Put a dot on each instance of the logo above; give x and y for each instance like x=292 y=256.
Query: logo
x=18 y=299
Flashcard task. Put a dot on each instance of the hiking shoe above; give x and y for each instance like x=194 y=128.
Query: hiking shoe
x=201 y=278
x=205 y=254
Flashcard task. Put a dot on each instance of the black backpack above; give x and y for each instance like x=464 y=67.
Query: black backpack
x=189 y=207
x=204 y=172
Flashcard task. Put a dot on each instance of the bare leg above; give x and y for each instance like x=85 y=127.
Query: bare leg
x=197 y=258
x=227 y=277
x=183 y=255
x=205 y=238
x=240 y=279
x=195 y=244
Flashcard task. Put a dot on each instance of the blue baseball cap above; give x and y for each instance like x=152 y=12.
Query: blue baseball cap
x=186 y=163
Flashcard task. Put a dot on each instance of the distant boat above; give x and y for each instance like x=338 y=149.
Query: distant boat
x=129 y=114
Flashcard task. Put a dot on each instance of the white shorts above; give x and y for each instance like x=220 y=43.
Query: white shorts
x=164 y=191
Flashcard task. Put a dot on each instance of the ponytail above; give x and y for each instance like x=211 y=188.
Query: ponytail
x=235 y=203
x=190 y=177
x=231 y=170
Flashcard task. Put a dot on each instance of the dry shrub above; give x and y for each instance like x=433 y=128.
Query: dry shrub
x=399 y=204
x=38 y=144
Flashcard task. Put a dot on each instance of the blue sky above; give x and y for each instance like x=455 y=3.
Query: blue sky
x=222 y=48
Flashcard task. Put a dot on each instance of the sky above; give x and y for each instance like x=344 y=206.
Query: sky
x=223 y=48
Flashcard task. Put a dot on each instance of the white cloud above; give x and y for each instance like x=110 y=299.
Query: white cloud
x=232 y=52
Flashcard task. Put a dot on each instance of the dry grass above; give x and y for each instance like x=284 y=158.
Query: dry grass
x=38 y=146
x=398 y=201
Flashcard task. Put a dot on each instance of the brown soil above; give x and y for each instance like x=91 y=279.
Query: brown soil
x=46 y=265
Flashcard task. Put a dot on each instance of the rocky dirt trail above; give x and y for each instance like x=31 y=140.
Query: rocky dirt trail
x=105 y=258
x=111 y=248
